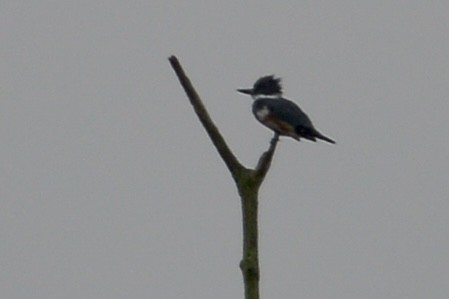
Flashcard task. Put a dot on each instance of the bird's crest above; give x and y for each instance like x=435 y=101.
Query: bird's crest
x=268 y=85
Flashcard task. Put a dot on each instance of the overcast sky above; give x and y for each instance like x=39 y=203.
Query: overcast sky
x=110 y=187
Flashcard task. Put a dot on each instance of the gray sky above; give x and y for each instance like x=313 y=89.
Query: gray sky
x=110 y=187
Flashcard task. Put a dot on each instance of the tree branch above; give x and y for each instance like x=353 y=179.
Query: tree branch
x=248 y=182
x=265 y=160
x=228 y=157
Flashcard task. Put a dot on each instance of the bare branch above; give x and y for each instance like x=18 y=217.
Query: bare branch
x=248 y=182
x=228 y=157
x=265 y=160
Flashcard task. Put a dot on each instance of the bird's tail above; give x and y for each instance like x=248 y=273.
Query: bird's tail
x=322 y=137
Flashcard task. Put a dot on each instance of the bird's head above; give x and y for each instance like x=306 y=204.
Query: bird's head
x=267 y=86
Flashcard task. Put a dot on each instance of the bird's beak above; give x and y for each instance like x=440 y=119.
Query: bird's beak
x=246 y=91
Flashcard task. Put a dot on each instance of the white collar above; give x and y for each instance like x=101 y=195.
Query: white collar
x=267 y=96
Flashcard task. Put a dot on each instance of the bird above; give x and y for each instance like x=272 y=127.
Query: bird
x=281 y=115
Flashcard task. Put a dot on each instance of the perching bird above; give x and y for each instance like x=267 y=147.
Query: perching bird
x=280 y=115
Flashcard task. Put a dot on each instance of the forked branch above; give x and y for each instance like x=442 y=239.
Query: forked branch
x=248 y=182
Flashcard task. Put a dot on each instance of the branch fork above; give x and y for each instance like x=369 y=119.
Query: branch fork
x=247 y=181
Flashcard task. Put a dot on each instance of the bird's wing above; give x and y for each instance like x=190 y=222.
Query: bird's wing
x=288 y=110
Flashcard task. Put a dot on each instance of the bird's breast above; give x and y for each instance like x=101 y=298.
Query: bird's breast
x=269 y=119
x=262 y=113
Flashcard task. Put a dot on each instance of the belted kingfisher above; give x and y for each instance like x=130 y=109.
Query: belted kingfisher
x=280 y=115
